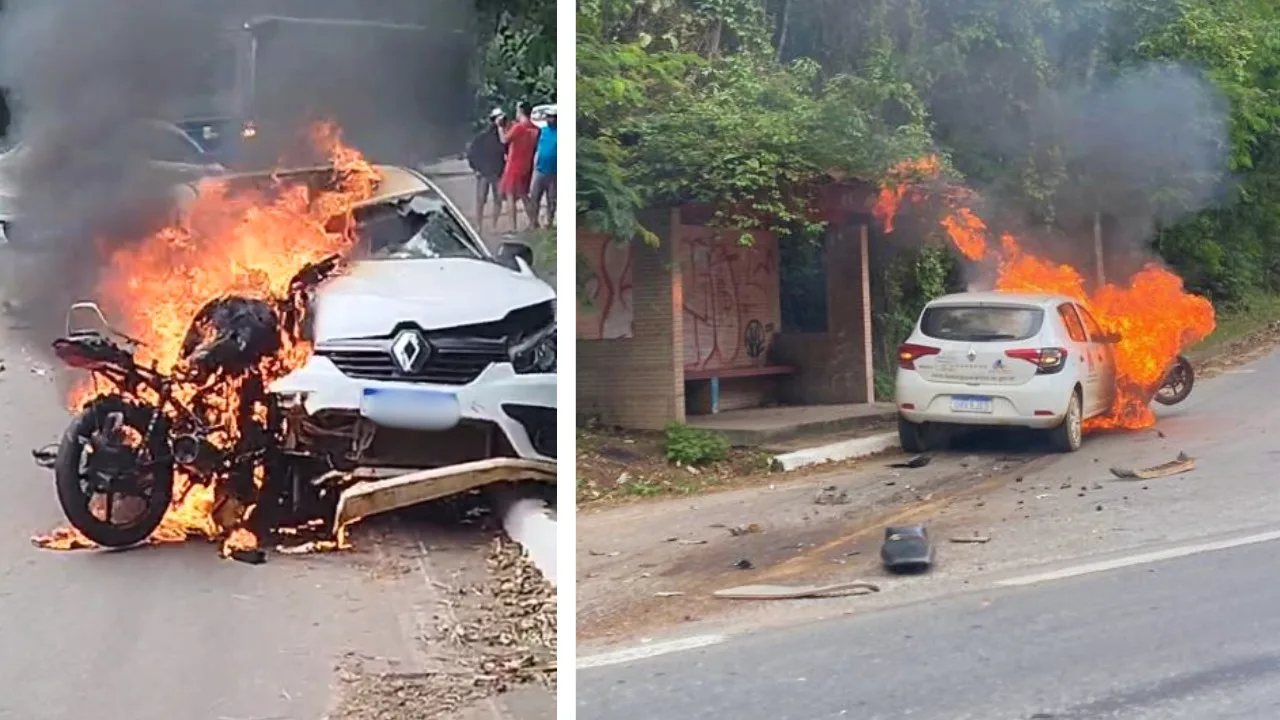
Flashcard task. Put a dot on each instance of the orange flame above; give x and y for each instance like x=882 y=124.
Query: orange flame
x=1155 y=317
x=229 y=241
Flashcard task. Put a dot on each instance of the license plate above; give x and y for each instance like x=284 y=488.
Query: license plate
x=410 y=408
x=971 y=404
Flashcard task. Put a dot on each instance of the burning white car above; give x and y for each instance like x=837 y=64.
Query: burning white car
x=429 y=353
x=401 y=362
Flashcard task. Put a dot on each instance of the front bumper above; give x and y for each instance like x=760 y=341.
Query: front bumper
x=515 y=403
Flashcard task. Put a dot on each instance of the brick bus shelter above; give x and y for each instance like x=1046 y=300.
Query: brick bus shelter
x=691 y=330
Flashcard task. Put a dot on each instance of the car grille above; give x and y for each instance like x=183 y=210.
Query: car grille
x=453 y=361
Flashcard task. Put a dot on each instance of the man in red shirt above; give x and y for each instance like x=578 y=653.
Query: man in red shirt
x=521 y=140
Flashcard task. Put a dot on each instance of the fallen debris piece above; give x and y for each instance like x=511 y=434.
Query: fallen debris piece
x=46 y=456
x=906 y=549
x=1183 y=463
x=738 y=530
x=309 y=547
x=831 y=495
x=918 y=461
x=793 y=592
x=974 y=538
x=682 y=541
x=597 y=553
x=744 y=564
x=250 y=556
x=668 y=593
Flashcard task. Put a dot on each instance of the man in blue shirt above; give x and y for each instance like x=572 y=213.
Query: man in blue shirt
x=544 y=172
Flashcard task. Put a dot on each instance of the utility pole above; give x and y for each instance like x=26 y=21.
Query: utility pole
x=1097 y=247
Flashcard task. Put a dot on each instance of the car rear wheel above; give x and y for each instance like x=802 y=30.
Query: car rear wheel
x=913 y=437
x=1069 y=435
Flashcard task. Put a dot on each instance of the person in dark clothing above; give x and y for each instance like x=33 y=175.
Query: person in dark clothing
x=487 y=156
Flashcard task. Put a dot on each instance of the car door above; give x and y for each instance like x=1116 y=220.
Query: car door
x=1105 y=352
x=1087 y=366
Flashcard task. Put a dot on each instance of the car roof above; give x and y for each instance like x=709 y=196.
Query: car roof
x=1001 y=298
x=396 y=182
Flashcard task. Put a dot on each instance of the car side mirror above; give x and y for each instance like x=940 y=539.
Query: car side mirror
x=509 y=251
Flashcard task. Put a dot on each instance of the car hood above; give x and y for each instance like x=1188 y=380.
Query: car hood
x=376 y=295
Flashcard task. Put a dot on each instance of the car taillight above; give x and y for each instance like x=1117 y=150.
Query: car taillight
x=909 y=353
x=1047 y=360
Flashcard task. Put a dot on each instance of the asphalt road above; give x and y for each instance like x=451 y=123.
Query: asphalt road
x=163 y=632
x=1196 y=638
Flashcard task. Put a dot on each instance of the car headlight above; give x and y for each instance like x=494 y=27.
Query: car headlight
x=536 y=352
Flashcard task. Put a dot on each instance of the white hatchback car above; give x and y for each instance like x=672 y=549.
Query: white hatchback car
x=1003 y=359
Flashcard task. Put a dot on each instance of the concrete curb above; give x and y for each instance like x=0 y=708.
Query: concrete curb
x=843 y=450
x=531 y=523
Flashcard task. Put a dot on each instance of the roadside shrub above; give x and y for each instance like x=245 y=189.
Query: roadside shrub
x=686 y=445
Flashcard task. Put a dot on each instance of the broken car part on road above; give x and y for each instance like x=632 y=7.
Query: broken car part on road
x=795 y=592
x=907 y=549
x=1183 y=463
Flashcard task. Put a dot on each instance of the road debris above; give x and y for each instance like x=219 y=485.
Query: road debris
x=744 y=564
x=597 y=553
x=739 y=530
x=249 y=556
x=683 y=541
x=906 y=549
x=971 y=539
x=668 y=593
x=918 y=461
x=46 y=456
x=1183 y=463
x=794 y=592
x=831 y=495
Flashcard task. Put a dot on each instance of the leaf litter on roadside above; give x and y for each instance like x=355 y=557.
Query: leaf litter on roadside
x=505 y=639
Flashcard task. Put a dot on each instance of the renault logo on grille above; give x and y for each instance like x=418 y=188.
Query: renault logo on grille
x=410 y=351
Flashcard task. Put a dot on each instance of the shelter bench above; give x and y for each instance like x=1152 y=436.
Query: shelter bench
x=715 y=375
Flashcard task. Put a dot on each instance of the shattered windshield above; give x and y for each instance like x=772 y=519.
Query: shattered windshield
x=422 y=228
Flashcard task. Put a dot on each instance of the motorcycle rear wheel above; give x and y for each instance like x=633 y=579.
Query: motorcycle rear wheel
x=77 y=499
x=1178 y=383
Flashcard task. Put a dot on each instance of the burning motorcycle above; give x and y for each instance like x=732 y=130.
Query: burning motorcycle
x=115 y=465
x=1177 y=384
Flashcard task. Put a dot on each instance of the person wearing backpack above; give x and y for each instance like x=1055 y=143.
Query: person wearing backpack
x=487 y=156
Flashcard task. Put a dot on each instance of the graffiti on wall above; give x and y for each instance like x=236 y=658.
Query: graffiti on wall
x=731 y=300
x=604 y=308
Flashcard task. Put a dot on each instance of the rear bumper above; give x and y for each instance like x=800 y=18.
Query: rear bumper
x=1041 y=403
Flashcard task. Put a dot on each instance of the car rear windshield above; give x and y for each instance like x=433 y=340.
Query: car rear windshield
x=981 y=323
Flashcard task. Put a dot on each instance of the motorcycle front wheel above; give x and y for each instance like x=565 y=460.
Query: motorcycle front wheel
x=1177 y=384
x=114 y=480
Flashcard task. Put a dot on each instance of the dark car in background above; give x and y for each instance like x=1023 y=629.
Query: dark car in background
x=400 y=93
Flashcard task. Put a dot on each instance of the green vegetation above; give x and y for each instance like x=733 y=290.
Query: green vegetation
x=1241 y=320
x=1162 y=117
x=693 y=447
x=518 y=52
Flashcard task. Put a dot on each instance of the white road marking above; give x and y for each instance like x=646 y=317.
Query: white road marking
x=1140 y=559
x=651 y=650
